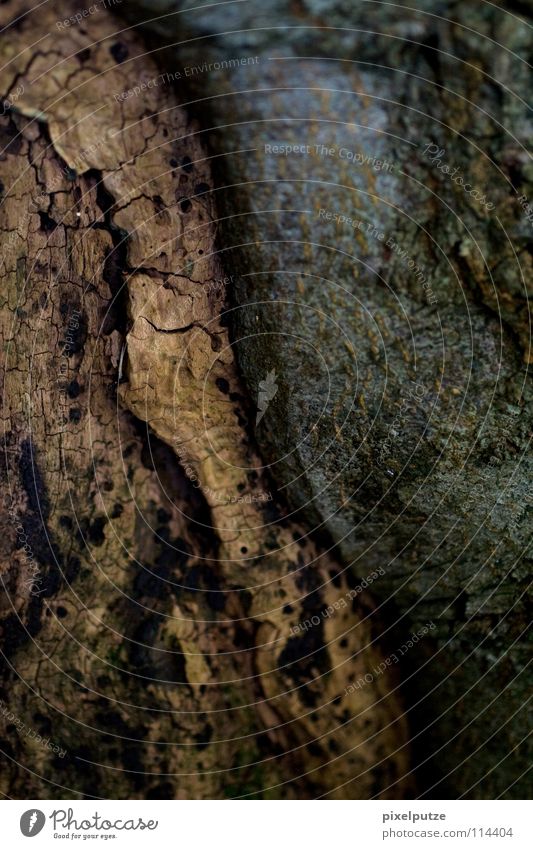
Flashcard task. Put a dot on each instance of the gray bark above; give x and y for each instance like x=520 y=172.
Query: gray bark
x=401 y=344
x=146 y=621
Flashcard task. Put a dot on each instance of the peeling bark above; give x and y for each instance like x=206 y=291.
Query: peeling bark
x=419 y=288
x=147 y=628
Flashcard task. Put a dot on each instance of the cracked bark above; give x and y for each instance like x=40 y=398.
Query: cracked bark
x=447 y=515
x=150 y=637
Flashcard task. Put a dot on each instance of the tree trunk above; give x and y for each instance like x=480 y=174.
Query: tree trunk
x=374 y=179
x=154 y=585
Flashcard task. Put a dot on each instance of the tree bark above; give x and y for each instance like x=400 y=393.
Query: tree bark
x=149 y=588
x=390 y=293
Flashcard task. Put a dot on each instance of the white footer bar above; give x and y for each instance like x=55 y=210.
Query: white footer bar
x=267 y=825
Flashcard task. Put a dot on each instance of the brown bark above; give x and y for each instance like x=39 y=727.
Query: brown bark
x=146 y=626
x=395 y=270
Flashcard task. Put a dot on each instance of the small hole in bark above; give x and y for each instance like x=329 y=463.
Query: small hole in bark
x=119 y=52
x=84 y=55
x=73 y=389
x=185 y=204
x=335 y=578
x=222 y=384
x=186 y=164
x=47 y=224
x=62 y=612
x=95 y=532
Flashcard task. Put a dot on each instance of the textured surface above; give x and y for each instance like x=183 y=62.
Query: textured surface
x=146 y=627
x=403 y=416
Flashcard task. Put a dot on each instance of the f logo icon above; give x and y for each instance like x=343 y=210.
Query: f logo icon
x=32 y=822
